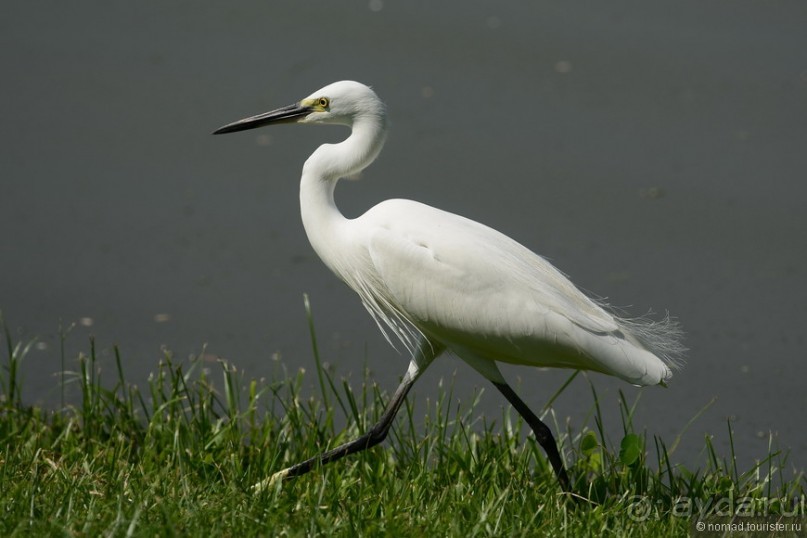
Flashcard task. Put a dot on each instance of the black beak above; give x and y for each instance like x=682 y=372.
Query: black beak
x=287 y=114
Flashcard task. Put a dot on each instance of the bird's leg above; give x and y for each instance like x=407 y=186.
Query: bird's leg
x=542 y=433
x=377 y=433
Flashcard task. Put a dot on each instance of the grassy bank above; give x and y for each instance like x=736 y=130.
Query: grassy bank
x=180 y=456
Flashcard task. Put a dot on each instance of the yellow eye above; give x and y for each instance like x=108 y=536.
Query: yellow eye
x=323 y=102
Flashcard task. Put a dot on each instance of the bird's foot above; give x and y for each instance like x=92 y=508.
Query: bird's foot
x=267 y=483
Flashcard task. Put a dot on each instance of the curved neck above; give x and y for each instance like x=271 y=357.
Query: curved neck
x=321 y=218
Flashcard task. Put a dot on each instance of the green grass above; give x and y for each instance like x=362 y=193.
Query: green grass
x=179 y=458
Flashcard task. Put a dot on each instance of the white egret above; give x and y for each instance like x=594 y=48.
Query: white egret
x=440 y=282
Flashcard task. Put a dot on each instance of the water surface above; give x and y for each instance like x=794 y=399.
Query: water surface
x=655 y=152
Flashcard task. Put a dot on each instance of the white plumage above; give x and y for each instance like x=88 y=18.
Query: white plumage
x=479 y=292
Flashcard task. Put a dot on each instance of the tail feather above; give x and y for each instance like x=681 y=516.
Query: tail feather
x=663 y=338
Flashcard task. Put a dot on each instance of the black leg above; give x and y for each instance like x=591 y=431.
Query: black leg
x=542 y=433
x=375 y=435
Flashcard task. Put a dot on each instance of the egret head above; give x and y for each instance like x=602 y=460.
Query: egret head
x=339 y=103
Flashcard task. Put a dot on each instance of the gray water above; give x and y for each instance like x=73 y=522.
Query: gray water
x=656 y=152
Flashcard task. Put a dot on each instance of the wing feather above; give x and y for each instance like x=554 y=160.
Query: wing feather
x=445 y=269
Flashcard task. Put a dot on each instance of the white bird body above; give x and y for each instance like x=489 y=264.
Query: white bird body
x=478 y=292
x=439 y=281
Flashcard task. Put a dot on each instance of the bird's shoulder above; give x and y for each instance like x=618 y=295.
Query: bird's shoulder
x=430 y=227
